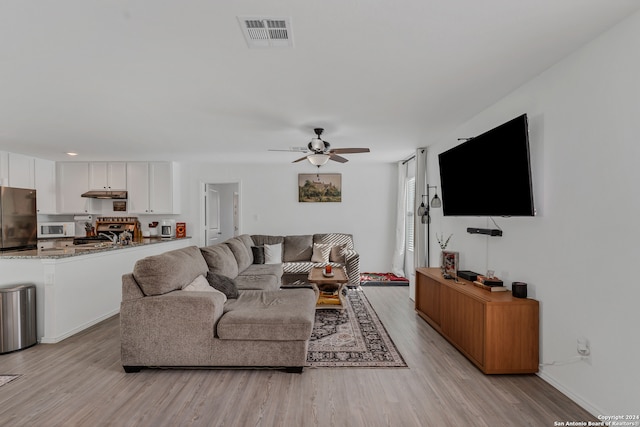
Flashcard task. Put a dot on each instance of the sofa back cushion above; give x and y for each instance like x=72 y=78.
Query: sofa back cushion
x=220 y=260
x=247 y=240
x=261 y=239
x=298 y=248
x=170 y=271
x=334 y=239
x=243 y=255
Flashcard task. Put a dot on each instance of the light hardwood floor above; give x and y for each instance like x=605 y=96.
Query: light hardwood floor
x=80 y=382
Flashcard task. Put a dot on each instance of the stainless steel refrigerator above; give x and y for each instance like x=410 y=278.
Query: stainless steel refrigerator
x=18 y=219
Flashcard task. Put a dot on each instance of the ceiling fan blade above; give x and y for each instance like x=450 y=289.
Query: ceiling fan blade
x=300 y=159
x=291 y=149
x=335 y=157
x=349 y=150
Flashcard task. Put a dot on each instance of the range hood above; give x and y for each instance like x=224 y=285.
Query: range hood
x=105 y=194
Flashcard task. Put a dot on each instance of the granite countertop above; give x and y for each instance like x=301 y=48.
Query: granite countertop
x=77 y=250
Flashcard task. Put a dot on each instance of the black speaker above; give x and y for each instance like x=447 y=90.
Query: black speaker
x=519 y=289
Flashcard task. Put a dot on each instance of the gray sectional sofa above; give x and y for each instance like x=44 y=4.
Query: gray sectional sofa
x=223 y=306
x=169 y=317
x=300 y=253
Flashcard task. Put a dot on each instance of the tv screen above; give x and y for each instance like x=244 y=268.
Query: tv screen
x=489 y=175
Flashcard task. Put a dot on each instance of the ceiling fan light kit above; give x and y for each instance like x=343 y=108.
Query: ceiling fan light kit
x=321 y=151
x=318 y=159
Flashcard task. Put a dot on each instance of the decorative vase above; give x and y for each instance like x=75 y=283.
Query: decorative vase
x=442 y=270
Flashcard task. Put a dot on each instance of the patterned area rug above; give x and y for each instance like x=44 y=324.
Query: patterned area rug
x=382 y=279
x=5 y=379
x=353 y=337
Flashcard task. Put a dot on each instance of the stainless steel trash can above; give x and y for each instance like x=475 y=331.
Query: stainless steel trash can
x=17 y=318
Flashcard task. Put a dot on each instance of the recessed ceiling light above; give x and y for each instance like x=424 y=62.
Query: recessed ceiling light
x=72 y=154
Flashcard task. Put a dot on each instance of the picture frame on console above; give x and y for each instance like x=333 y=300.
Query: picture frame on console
x=319 y=187
x=450 y=262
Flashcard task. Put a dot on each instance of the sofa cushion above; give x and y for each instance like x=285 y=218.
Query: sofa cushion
x=247 y=240
x=320 y=253
x=337 y=253
x=220 y=260
x=262 y=282
x=169 y=271
x=263 y=269
x=298 y=248
x=201 y=284
x=334 y=239
x=261 y=239
x=273 y=254
x=223 y=284
x=243 y=255
x=258 y=254
x=305 y=267
x=285 y=315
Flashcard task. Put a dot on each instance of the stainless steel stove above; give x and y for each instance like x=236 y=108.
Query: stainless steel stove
x=109 y=228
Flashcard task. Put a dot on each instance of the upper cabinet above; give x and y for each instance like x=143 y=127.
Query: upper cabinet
x=152 y=188
x=45 y=182
x=4 y=168
x=108 y=176
x=72 y=181
x=21 y=171
x=18 y=170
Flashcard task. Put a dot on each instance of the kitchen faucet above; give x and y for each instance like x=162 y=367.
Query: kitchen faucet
x=113 y=238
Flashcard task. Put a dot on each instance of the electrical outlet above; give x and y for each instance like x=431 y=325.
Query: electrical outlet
x=584 y=348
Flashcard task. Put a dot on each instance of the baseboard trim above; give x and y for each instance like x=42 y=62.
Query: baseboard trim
x=54 y=340
x=579 y=400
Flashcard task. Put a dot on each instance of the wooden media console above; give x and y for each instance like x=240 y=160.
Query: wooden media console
x=496 y=331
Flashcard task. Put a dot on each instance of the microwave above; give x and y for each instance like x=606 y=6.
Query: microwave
x=56 y=229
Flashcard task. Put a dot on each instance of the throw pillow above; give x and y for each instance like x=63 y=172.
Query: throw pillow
x=258 y=254
x=201 y=284
x=273 y=254
x=337 y=253
x=223 y=284
x=320 y=253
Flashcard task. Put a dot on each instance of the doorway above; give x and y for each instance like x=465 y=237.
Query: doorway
x=220 y=212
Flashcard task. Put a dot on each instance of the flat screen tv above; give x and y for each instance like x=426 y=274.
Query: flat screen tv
x=490 y=174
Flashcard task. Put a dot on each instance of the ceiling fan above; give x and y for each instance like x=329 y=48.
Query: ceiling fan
x=321 y=151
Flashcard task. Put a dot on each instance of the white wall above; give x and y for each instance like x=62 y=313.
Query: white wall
x=269 y=203
x=579 y=254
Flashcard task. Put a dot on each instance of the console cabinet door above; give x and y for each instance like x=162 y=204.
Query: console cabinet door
x=463 y=322
x=428 y=297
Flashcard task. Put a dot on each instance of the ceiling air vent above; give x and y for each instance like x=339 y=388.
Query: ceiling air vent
x=266 y=32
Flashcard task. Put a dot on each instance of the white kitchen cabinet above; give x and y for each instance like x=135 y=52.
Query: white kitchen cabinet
x=45 y=183
x=4 y=168
x=108 y=176
x=21 y=171
x=72 y=180
x=152 y=188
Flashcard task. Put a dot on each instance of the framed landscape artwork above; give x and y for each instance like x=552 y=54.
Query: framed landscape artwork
x=319 y=187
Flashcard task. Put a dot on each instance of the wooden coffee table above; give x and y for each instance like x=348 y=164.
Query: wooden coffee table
x=328 y=289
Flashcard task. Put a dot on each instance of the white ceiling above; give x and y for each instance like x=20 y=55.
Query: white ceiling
x=175 y=80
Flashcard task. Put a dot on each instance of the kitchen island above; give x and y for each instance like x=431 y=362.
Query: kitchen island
x=77 y=287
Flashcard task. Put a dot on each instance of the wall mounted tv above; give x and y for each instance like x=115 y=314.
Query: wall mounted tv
x=490 y=174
